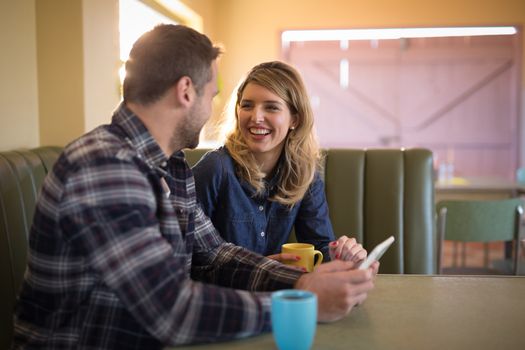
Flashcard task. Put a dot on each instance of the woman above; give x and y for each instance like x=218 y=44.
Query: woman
x=265 y=181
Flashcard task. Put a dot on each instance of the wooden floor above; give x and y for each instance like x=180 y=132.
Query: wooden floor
x=475 y=260
x=474 y=253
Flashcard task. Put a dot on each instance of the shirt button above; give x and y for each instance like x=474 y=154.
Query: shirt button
x=261 y=208
x=262 y=234
x=180 y=211
x=163 y=164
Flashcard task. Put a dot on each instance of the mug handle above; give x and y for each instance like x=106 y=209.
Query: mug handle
x=319 y=256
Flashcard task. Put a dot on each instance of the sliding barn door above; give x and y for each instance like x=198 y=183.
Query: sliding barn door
x=455 y=96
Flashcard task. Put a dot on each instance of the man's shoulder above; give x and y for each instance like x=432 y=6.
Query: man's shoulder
x=98 y=144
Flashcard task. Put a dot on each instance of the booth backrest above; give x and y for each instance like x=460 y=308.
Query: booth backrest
x=371 y=194
x=375 y=193
x=21 y=175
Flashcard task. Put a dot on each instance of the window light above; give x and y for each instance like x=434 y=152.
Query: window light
x=390 y=33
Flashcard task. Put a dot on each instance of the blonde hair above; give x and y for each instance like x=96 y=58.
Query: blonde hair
x=300 y=157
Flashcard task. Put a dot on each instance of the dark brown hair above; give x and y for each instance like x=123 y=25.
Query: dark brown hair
x=160 y=57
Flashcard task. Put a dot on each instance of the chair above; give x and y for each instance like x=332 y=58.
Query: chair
x=480 y=221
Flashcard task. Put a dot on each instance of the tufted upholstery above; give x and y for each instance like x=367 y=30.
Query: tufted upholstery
x=375 y=193
x=21 y=175
x=371 y=194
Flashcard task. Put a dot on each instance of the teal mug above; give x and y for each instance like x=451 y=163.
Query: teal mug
x=294 y=319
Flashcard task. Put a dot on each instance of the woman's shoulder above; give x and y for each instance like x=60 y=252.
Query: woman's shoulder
x=215 y=159
x=317 y=183
x=318 y=178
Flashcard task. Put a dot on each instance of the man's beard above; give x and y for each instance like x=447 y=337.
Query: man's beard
x=193 y=142
x=187 y=136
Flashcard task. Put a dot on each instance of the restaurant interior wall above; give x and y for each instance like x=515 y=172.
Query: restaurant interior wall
x=249 y=30
x=19 y=124
x=60 y=66
x=243 y=51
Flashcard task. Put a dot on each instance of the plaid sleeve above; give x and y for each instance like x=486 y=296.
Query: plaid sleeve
x=108 y=216
x=232 y=266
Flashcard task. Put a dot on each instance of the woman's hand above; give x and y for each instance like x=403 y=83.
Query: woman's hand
x=286 y=258
x=347 y=249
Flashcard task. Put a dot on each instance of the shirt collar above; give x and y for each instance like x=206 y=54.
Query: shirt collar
x=270 y=184
x=138 y=136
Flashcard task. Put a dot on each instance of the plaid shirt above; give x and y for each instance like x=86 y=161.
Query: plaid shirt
x=121 y=255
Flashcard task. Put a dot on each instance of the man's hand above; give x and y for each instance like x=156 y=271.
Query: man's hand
x=339 y=287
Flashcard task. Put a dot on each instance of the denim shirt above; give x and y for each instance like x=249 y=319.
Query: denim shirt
x=256 y=222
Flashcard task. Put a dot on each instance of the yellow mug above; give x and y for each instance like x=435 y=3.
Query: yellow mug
x=306 y=252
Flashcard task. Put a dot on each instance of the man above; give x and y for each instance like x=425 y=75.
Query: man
x=121 y=256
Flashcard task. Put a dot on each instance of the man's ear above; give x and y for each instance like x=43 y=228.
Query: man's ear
x=185 y=91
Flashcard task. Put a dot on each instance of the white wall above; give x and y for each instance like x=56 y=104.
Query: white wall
x=101 y=61
x=18 y=75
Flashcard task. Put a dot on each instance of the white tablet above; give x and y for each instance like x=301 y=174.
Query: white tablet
x=377 y=253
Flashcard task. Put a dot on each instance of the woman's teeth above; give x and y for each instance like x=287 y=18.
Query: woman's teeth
x=257 y=131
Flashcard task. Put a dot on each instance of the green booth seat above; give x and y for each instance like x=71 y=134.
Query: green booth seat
x=22 y=173
x=372 y=194
x=375 y=193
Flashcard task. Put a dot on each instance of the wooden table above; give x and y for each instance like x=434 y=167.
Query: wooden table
x=423 y=312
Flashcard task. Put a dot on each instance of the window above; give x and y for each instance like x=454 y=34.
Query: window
x=139 y=16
